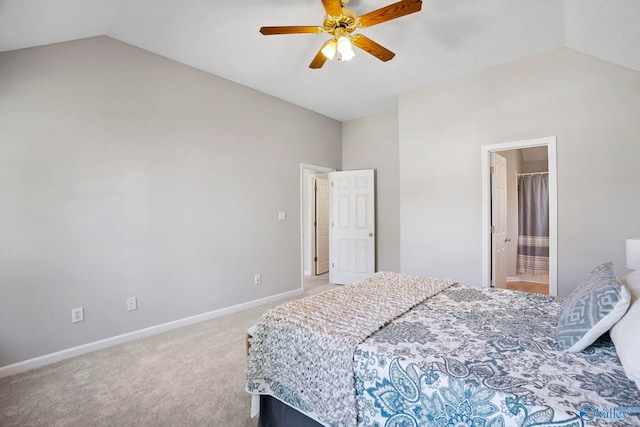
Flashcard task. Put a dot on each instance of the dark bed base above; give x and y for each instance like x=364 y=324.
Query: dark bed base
x=274 y=413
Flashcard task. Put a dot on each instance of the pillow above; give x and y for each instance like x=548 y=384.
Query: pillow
x=626 y=335
x=632 y=282
x=592 y=309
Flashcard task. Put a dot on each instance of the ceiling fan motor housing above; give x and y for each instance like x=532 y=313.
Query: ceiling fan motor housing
x=347 y=22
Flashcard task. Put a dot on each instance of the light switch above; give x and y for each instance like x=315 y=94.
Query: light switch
x=282 y=216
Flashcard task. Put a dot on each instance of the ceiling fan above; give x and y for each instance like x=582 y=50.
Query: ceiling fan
x=341 y=22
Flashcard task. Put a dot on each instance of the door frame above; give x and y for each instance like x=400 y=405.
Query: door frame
x=306 y=168
x=550 y=143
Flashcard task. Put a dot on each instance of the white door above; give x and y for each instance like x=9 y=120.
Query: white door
x=498 y=221
x=322 y=225
x=352 y=232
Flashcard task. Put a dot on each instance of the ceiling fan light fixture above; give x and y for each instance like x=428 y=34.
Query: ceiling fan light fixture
x=347 y=54
x=329 y=50
x=344 y=48
x=344 y=44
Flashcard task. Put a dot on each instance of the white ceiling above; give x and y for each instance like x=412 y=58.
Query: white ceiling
x=448 y=38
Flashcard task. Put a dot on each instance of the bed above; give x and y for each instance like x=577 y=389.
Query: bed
x=445 y=355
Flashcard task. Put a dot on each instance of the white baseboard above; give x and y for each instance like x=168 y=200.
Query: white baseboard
x=512 y=279
x=47 y=359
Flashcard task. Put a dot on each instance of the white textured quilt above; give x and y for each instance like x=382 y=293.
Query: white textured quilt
x=302 y=352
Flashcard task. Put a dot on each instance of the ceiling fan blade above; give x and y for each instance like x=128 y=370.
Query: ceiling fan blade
x=333 y=7
x=319 y=59
x=269 y=31
x=387 y=13
x=369 y=46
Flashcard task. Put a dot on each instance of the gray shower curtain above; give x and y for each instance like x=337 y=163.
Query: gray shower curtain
x=533 y=224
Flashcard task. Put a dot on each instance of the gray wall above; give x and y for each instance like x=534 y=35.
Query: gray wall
x=592 y=106
x=372 y=143
x=535 y=166
x=126 y=174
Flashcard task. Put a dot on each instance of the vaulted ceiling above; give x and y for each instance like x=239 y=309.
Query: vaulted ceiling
x=448 y=38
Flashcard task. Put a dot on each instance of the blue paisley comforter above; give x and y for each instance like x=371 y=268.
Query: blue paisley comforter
x=487 y=358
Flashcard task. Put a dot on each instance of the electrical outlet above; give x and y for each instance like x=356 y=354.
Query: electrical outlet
x=132 y=304
x=257 y=279
x=77 y=315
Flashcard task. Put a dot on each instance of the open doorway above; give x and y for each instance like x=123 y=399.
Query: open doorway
x=310 y=176
x=529 y=263
x=527 y=257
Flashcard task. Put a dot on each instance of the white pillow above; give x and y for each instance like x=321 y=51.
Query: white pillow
x=632 y=282
x=626 y=333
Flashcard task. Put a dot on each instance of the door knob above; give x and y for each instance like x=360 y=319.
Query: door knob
x=507 y=239
x=370 y=234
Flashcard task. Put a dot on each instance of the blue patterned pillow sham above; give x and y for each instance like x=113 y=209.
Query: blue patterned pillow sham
x=592 y=309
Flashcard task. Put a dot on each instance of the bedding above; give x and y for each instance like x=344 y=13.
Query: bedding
x=487 y=357
x=626 y=333
x=302 y=351
x=598 y=302
x=476 y=357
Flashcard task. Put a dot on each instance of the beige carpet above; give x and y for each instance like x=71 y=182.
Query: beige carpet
x=191 y=376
